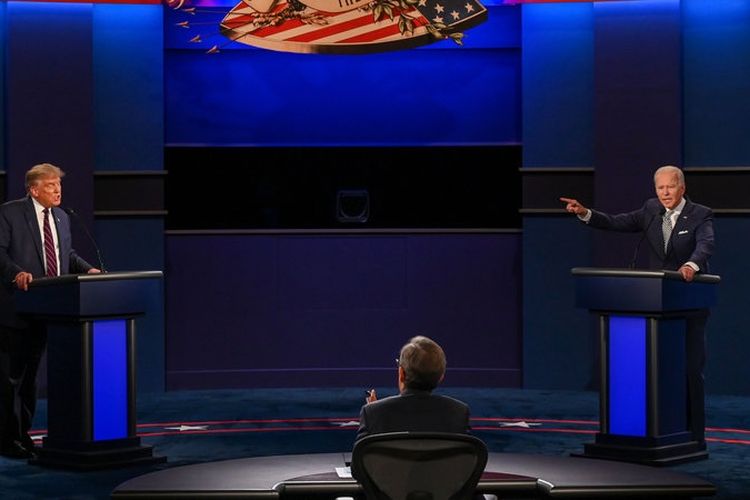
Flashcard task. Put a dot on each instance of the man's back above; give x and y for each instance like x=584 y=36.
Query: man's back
x=416 y=411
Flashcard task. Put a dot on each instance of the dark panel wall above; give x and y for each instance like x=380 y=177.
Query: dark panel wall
x=49 y=115
x=559 y=343
x=285 y=310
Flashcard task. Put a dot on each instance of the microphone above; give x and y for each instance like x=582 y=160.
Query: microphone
x=660 y=213
x=73 y=213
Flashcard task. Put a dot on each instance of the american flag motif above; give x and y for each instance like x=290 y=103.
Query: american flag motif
x=312 y=30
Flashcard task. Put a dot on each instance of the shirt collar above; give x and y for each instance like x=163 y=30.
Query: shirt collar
x=38 y=206
x=680 y=207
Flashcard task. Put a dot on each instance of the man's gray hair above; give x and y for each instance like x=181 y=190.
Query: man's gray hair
x=671 y=169
x=423 y=361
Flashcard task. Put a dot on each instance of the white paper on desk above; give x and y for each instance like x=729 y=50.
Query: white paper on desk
x=344 y=472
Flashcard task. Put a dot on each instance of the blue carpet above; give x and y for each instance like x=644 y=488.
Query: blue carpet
x=199 y=426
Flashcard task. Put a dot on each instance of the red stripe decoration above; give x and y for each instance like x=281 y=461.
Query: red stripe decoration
x=730 y=436
x=352 y=31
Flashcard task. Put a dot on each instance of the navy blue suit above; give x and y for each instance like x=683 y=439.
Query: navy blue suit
x=692 y=240
x=692 y=237
x=22 y=343
x=415 y=411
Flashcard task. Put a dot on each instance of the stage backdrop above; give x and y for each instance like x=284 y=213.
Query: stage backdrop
x=268 y=282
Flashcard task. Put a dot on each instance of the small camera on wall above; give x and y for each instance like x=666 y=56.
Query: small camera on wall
x=352 y=206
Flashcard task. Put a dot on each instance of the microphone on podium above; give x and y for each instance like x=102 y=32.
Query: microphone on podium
x=660 y=213
x=75 y=215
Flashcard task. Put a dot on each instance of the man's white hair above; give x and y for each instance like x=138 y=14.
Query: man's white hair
x=672 y=170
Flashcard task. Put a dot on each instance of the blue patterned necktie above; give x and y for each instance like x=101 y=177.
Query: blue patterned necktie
x=666 y=228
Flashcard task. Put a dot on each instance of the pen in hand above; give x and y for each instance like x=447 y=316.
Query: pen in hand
x=370 y=396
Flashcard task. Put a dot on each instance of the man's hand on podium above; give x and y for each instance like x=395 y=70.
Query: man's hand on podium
x=687 y=272
x=22 y=280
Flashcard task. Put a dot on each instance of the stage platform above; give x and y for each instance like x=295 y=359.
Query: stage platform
x=507 y=475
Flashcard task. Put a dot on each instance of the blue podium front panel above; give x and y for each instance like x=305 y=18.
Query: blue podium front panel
x=627 y=375
x=110 y=380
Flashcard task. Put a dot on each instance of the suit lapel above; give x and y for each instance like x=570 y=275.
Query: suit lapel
x=680 y=224
x=33 y=224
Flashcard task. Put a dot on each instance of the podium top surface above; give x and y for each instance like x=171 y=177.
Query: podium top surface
x=95 y=277
x=90 y=295
x=641 y=273
x=642 y=291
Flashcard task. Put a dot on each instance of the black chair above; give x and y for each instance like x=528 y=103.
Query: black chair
x=418 y=465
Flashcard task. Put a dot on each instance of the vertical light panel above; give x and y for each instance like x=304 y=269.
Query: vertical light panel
x=558 y=84
x=627 y=376
x=128 y=64
x=716 y=38
x=110 y=405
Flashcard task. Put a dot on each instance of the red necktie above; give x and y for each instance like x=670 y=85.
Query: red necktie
x=49 y=246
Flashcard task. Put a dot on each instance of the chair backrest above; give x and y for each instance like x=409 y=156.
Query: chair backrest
x=418 y=465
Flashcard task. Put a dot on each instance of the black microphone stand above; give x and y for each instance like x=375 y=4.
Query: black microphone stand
x=73 y=213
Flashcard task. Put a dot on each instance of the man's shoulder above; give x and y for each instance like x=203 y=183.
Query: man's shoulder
x=20 y=202
x=698 y=208
x=15 y=206
x=447 y=400
x=415 y=398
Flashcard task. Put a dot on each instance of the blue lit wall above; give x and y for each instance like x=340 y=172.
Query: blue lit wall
x=128 y=92
x=716 y=58
x=438 y=94
x=558 y=81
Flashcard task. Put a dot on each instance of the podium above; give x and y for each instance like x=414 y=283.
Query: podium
x=644 y=320
x=91 y=370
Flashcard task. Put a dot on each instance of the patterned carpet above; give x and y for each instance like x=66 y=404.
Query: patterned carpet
x=199 y=426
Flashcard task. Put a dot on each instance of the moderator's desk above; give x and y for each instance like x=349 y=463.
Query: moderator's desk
x=506 y=474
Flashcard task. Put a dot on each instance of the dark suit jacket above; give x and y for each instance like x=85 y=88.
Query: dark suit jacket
x=21 y=249
x=692 y=236
x=415 y=411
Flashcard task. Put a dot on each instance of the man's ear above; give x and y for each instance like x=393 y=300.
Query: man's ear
x=401 y=374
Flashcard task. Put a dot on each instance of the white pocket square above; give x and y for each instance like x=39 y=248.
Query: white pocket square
x=684 y=231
